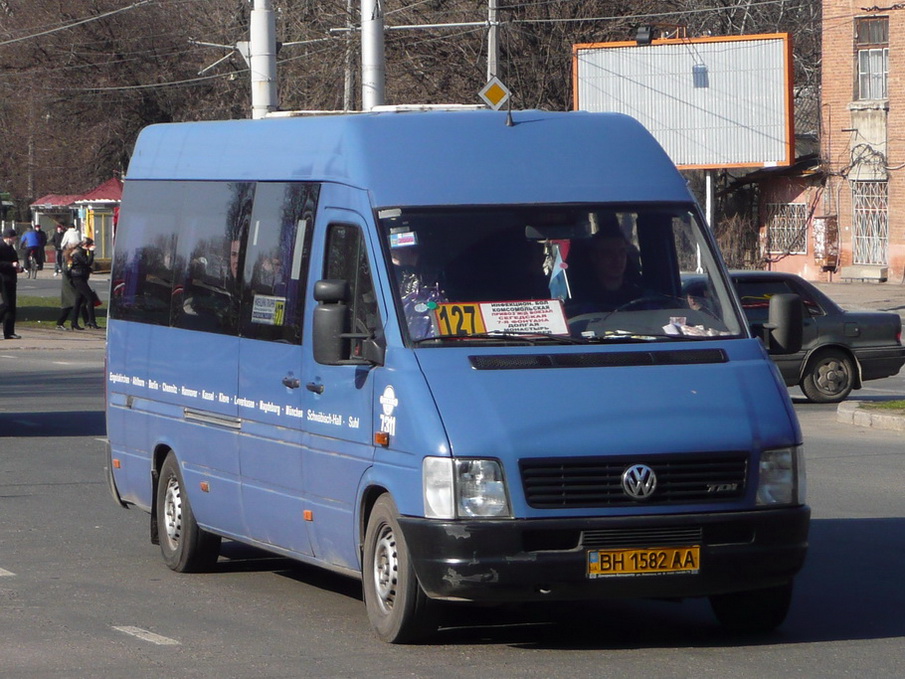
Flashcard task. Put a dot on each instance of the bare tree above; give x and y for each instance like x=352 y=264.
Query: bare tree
x=80 y=78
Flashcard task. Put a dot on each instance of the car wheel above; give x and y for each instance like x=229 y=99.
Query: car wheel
x=829 y=378
x=757 y=611
x=186 y=547
x=398 y=608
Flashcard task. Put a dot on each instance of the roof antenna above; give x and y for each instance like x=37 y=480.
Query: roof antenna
x=509 y=121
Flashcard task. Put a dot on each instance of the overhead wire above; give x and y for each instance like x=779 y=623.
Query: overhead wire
x=512 y=22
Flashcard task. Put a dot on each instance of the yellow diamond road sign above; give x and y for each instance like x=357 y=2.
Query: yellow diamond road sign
x=495 y=93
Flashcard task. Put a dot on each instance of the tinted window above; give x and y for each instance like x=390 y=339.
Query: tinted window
x=276 y=261
x=214 y=223
x=145 y=252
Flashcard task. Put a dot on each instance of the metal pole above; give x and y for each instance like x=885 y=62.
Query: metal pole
x=373 y=66
x=262 y=59
x=493 y=39
x=349 y=79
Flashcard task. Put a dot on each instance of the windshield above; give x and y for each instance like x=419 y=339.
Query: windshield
x=555 y=274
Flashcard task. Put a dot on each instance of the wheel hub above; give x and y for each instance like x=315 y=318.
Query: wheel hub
x=386 y=569
x=172 y=511
x=831 y=377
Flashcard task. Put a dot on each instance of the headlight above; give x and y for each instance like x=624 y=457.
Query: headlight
x=463 y=488
x=782 y=478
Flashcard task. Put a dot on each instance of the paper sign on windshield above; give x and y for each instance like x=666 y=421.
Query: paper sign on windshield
x=544 y=316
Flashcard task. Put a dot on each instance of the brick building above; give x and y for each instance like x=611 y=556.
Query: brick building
x=863 y=136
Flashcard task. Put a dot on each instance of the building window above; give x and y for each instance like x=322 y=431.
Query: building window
x=872 y=55
x=870 y=223
x=787 y=229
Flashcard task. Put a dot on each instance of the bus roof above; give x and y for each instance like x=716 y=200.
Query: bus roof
x=426 y=158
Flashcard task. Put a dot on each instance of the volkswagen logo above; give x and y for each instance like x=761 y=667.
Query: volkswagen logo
x=639 y=482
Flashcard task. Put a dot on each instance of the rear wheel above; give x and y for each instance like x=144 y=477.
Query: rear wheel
x=398 y=608
x=760 y=610
x=830 y=377
x=185 y=546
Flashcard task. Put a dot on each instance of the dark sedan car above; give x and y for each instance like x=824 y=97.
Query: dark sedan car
x=840 y=349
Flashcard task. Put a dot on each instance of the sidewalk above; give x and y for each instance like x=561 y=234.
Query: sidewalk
x=867 y=296
x=55 y=340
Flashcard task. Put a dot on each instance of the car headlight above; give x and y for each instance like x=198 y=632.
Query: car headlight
x=463 y=488
x=781 y=479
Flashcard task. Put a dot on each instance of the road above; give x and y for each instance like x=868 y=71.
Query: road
x=83 y=593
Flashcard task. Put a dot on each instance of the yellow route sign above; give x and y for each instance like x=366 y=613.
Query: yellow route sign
x=495 y=93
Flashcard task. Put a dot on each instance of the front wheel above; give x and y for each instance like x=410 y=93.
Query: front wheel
x=186 y=547
x=399 y=610
x=757 y=611
x=829 y=378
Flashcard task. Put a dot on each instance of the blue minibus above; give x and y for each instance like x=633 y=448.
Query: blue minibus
x=448 y=353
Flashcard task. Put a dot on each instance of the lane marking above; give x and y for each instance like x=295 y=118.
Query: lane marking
x=5 y=573
x=145 y=635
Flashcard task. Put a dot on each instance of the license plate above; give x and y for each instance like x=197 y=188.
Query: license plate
x=608 y=563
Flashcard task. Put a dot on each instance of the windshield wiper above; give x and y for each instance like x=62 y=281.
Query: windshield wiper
x=630 y=337
x=526 y=337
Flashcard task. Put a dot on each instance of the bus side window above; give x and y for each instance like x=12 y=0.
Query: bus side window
x=209 y=256
x=276 y=261
x=347 y=259
x=144 y=261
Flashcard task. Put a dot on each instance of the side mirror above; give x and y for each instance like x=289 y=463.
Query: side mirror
x=332 y=291
x=332 y=341
x=783 y=329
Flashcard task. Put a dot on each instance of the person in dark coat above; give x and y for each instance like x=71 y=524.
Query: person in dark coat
x=9 y=270
x=57 y=242
x=80 y=260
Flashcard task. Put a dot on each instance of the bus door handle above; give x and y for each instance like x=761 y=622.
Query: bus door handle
x=315 y=387
x=291 y=382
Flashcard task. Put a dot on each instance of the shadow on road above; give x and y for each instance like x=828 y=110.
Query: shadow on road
x=66 y=423
x=850 y=589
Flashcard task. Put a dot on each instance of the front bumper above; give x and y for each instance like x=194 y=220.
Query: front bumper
x=546 y=559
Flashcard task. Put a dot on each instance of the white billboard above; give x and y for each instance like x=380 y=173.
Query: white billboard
x=710 y=102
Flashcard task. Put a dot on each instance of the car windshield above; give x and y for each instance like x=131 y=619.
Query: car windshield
x=549 y=273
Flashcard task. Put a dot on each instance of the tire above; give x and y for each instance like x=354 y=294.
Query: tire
x=753 y=612
x=398 y=609
x=185 y=546
x=829 y=378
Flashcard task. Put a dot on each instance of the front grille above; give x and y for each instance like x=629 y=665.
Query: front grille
x=563 y=483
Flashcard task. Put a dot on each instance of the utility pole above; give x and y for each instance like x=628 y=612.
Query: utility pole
x=262 y=59
x=493 y=39
x=349 y=79
x=373 y=64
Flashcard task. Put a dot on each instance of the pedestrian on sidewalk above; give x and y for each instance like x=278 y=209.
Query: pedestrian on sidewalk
x=81 y=260
x=9 y=269
x=57 y=242
x=68 y=297
x=71 y=238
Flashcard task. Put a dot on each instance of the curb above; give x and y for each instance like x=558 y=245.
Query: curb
x=851 y=412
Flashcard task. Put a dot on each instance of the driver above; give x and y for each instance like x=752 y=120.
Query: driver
x=607 y=286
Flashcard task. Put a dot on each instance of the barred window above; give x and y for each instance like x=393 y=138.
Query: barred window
x=787 y=229
x=872 y=56
x=870 y=222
